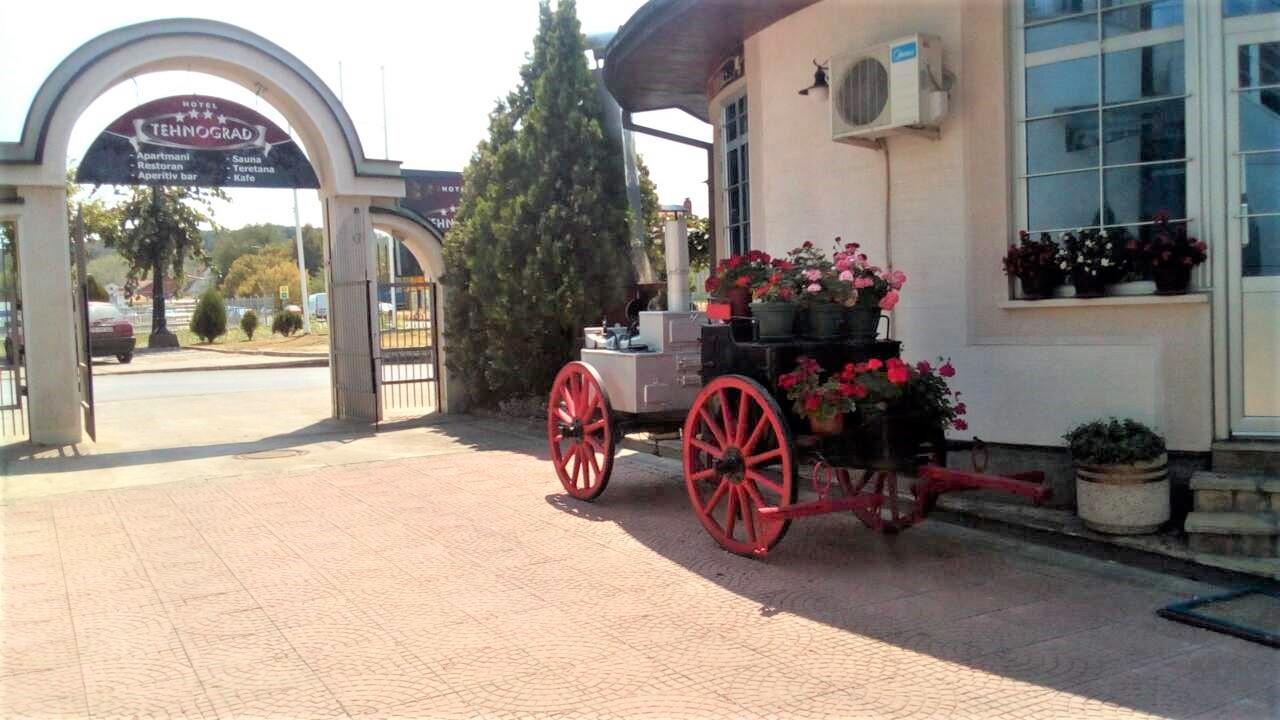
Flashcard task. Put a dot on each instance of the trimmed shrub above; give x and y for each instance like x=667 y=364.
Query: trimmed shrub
x=249 y=323
x=209 y=321
x=286 y=323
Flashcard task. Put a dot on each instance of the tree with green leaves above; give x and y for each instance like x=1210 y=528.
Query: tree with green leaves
x=651 y=221
x=540 y=245
x=158 y=230
x=94 y=290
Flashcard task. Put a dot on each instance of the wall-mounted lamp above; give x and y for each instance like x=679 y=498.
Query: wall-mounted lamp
x=819 y=86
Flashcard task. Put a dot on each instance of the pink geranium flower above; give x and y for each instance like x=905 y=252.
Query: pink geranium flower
x=813 y=288
x=889 y=300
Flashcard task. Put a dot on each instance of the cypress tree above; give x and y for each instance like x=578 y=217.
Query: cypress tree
x=539 y=245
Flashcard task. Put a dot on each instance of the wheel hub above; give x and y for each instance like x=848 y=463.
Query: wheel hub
x=731 y=465
x=571 y=430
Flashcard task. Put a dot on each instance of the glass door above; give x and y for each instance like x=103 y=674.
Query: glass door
x=1253 y=190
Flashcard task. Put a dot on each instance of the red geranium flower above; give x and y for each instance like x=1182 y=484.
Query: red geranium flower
x=961 y=425
x=899 y=375
x=874 y=364
x=924 y=367
x=947 y=370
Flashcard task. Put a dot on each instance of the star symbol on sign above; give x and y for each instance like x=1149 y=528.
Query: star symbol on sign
x=222 y=119
x=208 y=114
x=180 y=117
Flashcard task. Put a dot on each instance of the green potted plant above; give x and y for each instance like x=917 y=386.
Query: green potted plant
x=870 y=290
x=734 y=277
x=822 y=292
x=1169 y=254
x=1035 y=264
x=775 y=303
x=1122 y=478
x=1088 y=258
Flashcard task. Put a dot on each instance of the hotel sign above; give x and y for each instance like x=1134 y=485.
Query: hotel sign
x=197 y=141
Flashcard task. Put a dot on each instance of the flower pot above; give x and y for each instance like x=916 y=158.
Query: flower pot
x=1123 y=499
x=824 y=321
x=776 y=319
x=863 y=322
x=1172 y=280
x=833 y=425
x=740 y=301
x=1088 y=286
x=1038 y=286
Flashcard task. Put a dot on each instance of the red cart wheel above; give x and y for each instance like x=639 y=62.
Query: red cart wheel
x=580 y=431
x=737 y=459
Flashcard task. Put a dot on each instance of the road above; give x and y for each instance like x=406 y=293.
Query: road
x=115 y=388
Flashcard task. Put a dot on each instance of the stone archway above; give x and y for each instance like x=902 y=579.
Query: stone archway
x=33 y=170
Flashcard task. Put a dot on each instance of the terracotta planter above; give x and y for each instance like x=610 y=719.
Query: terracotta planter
x=1089 y=286
x=833 y=425
x=824 y=321
x=1123 y=499
x=740 y=300
x=777 y=320
x=863 y=322
x=1172 y=280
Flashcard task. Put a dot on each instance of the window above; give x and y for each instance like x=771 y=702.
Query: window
x=1103 y=125
x=737 y=175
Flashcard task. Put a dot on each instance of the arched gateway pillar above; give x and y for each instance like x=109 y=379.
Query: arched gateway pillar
x=33 y=194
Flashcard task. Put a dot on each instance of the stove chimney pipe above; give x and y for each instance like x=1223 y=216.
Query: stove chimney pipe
x=676 y=240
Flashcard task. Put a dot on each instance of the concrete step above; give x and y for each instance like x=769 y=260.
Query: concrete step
x=1223 y=492
x=1253 y=534
x=1250 y=457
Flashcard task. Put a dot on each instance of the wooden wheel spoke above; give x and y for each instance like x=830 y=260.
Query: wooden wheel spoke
x=706 y=447
x=756 y=434
x=754 y=460
x=564 y=416
x=703 y=475
x=593 y=427
x=754 y=493
x=731 y=517
x=744 y=409
x=713 y=427
x=590 y=453
x=761 y=479
x=577 y=466
x=748 y=514
x=724 y=416
x=715 y=498
x=564 y=458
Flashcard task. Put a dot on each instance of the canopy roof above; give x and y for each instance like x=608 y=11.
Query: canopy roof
x=662 y=57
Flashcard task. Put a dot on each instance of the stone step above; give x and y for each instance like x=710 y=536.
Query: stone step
x=1222 y=492
x=1250 y=457
x=1254 y=534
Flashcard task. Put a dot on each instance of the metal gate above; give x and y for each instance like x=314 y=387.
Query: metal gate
x=84 y=358
x=13 y=414
x=408 y=370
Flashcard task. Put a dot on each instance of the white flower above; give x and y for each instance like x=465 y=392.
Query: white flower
x=1105 y=262
x=1092 y=271
x=1063 y=264
x=1080 y=259
x=1103 y=234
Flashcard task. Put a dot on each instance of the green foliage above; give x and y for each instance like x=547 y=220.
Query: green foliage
x=540 y=245
x=261 y=273
x=651 y=220
x=286 y=323
x=699 y=243
x=249 y=323
x=209 y=321
x=1113 y=442
x=108 y=268
x=229 y=245
x=95 y=291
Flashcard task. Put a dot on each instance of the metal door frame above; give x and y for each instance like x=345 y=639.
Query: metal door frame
x=1237 y=216
x=13 y=416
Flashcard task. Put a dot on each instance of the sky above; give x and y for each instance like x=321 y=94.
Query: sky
x=445 y=64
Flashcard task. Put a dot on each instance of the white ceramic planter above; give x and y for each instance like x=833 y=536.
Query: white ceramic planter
x=1124 y=499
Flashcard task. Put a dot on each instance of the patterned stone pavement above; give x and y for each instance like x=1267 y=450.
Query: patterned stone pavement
x=467 y=585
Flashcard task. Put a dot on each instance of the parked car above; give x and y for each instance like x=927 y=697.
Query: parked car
x=318 y=305
x=110 y=332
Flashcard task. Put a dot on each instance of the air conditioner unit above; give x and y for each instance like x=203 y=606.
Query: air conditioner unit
x=888 y=88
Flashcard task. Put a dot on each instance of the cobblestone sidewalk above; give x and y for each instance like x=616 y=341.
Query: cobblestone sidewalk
x=468 y=585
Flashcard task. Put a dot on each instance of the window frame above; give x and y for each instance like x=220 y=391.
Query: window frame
x=1194 y=107
x=733 y=98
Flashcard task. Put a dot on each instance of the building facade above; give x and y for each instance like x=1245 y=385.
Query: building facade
x=1062 y=114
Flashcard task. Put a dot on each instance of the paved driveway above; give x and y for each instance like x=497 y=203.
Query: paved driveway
x=465 y=584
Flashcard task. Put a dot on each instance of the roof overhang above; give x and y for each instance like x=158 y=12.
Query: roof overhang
x=663 y=56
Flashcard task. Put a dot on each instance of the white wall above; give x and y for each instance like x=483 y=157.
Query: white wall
x=1027 y=374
